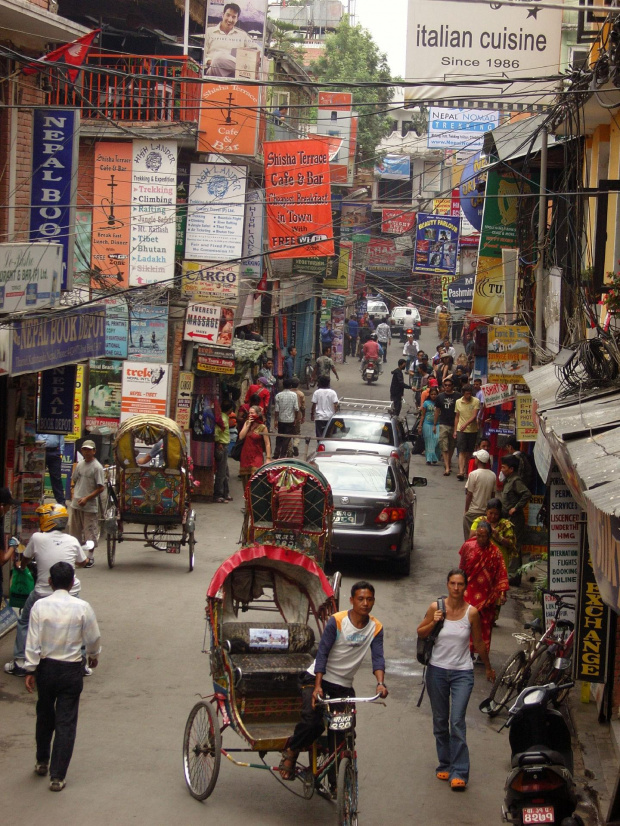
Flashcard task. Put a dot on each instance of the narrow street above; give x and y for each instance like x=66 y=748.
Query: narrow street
x=127 y=764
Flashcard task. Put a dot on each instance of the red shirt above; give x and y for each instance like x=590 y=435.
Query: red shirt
x=262 y=393
x=371 y=350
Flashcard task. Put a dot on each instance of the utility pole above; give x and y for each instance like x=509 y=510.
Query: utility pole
x=542 y=231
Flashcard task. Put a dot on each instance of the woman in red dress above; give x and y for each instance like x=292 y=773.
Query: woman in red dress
x=487 y=577
x=256 y=447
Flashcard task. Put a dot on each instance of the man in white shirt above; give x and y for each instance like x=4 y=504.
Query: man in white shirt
x=286 y=415
x=222 y=42
x=324 y=405
x=479 y=488
x=45 y=547
x=60 y=625
x=384 y=335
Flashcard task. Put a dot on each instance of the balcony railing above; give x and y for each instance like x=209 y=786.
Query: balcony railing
x=131 y=88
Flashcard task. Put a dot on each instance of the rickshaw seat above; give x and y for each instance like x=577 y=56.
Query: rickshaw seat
x=300 y=637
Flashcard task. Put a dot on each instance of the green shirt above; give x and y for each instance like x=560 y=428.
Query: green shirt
x=222 y=435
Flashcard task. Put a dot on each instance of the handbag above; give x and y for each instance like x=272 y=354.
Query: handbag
x=235 y=453
x=424 y=648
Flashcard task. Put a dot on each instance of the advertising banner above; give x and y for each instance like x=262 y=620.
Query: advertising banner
x=116 y=327
x=472 y=187
x=82 y=246
x=592 y=626
x=29 y=276
x=228 y=121
x=397 y=221
x=144 y=389
x=334 y=120
x=56 y=400
x=210 y=282
x=78 y=402
x=461 y=292
x=495 y=394
x=66 y=338
x=527 y=422
x=446 y=280
x=252 y=266
x=104 y=395
x=382 y=254
x=209 y=324
x=436 y=244
x=234 y=38
x=181 y=209
x=153 y=212
x=111 y=236
x=394 y=168
x=354 y=218
x=53 y=185
x=182 y=413
x=468 y=259
x=485 y=42
x=341 y=281
x=310 y=266
x=215 y=360
x=216 y=211
x=148 y=332
x=459 y=128
x=298 y=199
x=508 y=350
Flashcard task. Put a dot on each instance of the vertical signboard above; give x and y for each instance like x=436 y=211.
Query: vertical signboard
x=116 y=327
x=252 y=264
x=104 y=395
x=148 y=332
x=592 y=624
x=145 y=389
x=564 y=535
x=56 y=400
x=53 y=186
x=78 y=402
x=508 y=348
x=216 y=211
x=526 y=420
x=228 y=121
x=111 y=233
x=153 y=212
x=183 y=410
x=436 y=244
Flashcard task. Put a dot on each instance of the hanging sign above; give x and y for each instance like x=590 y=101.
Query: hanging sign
x=228 y=119
x=201 y=281
x=459 y=128
x=148 y=332
x=116 y=327
x=495 y=394
x=397 y=221
x=436 y=244
x=144 y=389
x=508 y=354
x=564 y=534
x=111 y=231
x=252 y=264
x=216 y=212
x=29 y=276
x=56 y=400
x=526 y=420
x=78 y=403
x=214 y=360
x=182 y=413
x=591 y=626
x=104 y=395
x=209 y=324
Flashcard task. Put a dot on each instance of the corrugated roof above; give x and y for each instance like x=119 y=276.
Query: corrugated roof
x=595 y=414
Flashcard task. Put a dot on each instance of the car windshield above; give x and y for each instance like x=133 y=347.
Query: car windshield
x=375 y=432
x=369 y=478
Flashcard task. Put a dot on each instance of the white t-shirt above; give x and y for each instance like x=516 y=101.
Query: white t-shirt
x=481 y=483
x=49 y=548
x=326 y=400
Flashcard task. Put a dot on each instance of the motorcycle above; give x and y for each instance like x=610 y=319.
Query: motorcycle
x=370 y=371
x=539 y=787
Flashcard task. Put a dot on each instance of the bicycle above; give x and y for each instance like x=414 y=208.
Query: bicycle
x=535 y=662
x=309 y=374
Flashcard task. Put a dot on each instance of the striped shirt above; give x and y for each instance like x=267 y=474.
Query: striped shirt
x=59 y=625
x=287 y=405
x=343 y=647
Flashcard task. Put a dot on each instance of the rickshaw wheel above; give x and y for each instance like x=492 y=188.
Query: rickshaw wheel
x=202 y=743
x=347 y=793
x=191 y=541
x=111 y=546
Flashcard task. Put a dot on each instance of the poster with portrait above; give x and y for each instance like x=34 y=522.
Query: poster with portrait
x=234 y=38
x=437 y=238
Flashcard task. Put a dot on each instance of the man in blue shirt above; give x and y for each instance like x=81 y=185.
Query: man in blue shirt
x=289 y=363
x=54 y=448
x=327 y=335
x=353 y=330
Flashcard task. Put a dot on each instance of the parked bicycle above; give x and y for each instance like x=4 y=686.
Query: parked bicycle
x=543 y=659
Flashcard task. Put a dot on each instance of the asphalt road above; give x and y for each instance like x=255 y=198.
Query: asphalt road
x=127 y=768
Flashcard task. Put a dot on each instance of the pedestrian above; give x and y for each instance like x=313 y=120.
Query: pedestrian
x=54 y=449
x=448 y=348
x=427 y=427
x=483 y=444
x=59 y=626
x=479 y=488
x=418 y=381
x=444 y=369
x=443 y=323
x=502 y=530
x=515 y=496
x=524 y=471
x=266 y=372
x=410 y=350
x=466 y=428
x=484 y=565
x=445 y=414
x=221 y=484
x=365 y=330
x=6 y=503
x=262 y=390
x=324 y=405
x=397 y=386
x=301 y=398
x=87 y=485
x=256 y=444
x=327 y=335
x=384 y=336
x=286 y=416
x=289 y=363
x=48 y=545
x=347 y=638
x=450 y=677
x=324 y=364
x=353 y=329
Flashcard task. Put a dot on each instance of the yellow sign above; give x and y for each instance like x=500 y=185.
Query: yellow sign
x=184 y=400
x=489 y=289
x=341 y=282
x=78 y=403
x=527 y=425
x=508 y=354
x=442 y=206
x=446 y=280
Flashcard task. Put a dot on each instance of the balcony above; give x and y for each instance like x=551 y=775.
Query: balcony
x=137 y=89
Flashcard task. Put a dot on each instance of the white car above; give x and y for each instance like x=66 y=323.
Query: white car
x=403 y=319
x=377 y=307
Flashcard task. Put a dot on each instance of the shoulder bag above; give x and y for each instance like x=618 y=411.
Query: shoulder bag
x=425 y=646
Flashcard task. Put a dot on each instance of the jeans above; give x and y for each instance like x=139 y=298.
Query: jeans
x=319 y=427
x=282 y=445
x=59 y=685
x=19 y=647
x=384 y=346
x=449 y=693
x=311 y=724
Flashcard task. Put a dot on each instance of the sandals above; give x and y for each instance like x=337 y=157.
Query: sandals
x=457 y=784
x=460 y=477
x=446 y=473
x=287 y=764
x=442 y=775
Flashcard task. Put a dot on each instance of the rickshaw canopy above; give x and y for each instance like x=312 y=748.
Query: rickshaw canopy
x=148 y=430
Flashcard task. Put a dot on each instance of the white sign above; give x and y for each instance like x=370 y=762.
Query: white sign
x=216 y=209
x=209 y=324
x=30 y=276
x=564 y=514
x=145 y=389
x=253 y=235
x=495 y=394
x=210 y=282
x=184 y=400
x=153 y=212
x=459 y=128
x=550 y=609
x=457 y=41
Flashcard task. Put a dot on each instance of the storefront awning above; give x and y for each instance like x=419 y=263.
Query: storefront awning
x=32 y=25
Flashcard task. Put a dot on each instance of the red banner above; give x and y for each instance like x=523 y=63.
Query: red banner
x=298 y=199
x=397 y=221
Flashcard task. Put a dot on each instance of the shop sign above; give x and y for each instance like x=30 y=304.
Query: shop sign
x=461 y=292
x=148 y=332
x=446 y=280
x=53 y=189
x=252 y=264
x=214 y=360
x=459 y=128
x=354 y=218
x=564 y=535
x=153 y=212
x=78 y=402
x=397 y=221
x=111 y=224
x=228 y=118
x=209 y=324
x=549 y=608
x=144 y=389
x=436 y=244
x=341 y=281
x=591 y=627
x=116 y=327
x=216 y=210
x=298 y=198
x=65 y=338
x=29 y=276
x=56 y=400
x=496 y=394
x=182 y=413
x=526 y=419
x=104 y=394
x=394 y=168
x=383 y=255
x=508 y=353
x=310 y=266
x=210 y=282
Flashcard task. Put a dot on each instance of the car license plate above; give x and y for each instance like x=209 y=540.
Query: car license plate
x=344 y=517
x=538 y=814
x=173 y=548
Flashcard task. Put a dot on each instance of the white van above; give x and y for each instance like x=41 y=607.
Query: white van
x=377 y=307
x=403 y=319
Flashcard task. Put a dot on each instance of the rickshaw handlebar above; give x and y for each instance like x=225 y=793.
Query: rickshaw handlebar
x=348 y=700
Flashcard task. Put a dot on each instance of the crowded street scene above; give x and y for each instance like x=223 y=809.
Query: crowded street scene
x=309 y=380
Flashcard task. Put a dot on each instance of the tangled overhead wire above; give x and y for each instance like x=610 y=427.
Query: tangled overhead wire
x=595 y=364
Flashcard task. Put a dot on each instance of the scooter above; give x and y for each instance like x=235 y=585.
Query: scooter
x=371 y=371
x=539 y=787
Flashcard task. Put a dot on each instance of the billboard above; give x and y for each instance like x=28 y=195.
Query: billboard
x=508 y=350
x=394 y=168
x=111 y=231
x=104 y=394
x=495 y=43
x=209 y=324
x=234 y=41
x=29 y=276
x=397 y=221
x=228 y=121
x=216 y=209
x=148 y=332
x=144 y=389
x=436 y=244
x=334 y=119
x=459 y=128
x=210 y=282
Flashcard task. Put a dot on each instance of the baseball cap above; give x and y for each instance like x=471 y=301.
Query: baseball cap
x=482 y=455
x=89 y=443
x=6 y=498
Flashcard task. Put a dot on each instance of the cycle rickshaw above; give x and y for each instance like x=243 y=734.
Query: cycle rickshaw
x=152 y=488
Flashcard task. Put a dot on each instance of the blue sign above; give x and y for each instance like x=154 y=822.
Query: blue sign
x=56 y=400
x=437 y=238
x=473 y=184
x=63 y=338
x=116 y=327
x=459 y=128
x=461 y=292
x=54 y=181
x=148 y=333
x=394 y=168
